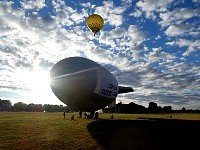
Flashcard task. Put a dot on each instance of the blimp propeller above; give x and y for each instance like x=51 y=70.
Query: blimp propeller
x=84 y=84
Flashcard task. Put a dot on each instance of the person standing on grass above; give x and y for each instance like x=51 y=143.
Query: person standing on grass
x=72 y=117
x=64 y=114
x=80 y=114
x=85 y=115
x=112 y=117
x=96 y=115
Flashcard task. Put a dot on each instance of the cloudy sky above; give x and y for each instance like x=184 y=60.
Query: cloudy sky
x=150 y=45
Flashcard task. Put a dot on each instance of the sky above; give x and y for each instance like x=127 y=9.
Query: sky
x=152 y=46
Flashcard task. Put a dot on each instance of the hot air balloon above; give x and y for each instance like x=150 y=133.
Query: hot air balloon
x=95 y=23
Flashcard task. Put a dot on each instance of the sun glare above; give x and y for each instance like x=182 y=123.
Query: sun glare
x=38 y=84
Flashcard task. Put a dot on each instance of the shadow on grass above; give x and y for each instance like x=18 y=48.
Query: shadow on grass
x=146 y=134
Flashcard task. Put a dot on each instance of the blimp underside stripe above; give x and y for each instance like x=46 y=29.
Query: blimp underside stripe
x=98 y=85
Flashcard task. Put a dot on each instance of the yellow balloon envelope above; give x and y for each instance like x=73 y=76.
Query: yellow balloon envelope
x=95 y=23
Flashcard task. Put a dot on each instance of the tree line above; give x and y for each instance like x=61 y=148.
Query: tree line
x=131 y=108
x=5 y=105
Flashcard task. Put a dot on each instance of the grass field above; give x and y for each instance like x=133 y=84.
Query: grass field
x=126 y=131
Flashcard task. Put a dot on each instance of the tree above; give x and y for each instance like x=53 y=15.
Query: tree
x=183 y=109
x=34 y=108
x=53 y=108
x=20 y=106
x=131 y=108
x=5 y=105
x=153 y=108
x=167 y=109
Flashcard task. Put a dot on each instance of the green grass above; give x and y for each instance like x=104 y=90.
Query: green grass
x=125 y=131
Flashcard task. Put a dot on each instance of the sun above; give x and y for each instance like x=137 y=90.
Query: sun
x=36 y=83
x=40 y=85
x=36 y=80
x=39 y=81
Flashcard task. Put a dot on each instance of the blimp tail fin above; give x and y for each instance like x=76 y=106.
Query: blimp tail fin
x=123 y=89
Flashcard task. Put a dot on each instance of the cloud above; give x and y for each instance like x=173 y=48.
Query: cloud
x=110 y=13
x=193 y=46
x=87 y=5
x=135 y=34
x=151 y=6
x=79 y=17
x=177 y=30
x=45 y=64
x=177 y=16
x=156 y=55
x=107 y=39
x=152 y=85
x=136 y=13
x=165 y=70
x=118 y=32
x=30 y=5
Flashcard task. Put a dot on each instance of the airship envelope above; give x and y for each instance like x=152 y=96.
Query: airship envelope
x=83 y=84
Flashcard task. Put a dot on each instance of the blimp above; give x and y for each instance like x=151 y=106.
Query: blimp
x=84 y=85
